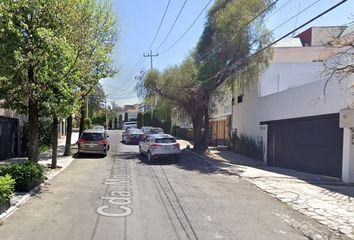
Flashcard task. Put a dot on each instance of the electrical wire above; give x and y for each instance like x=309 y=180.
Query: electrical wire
x=173 y=25
x=235 y=65
x=158 y=29
x=277 y=10
x=296 y=15
x=248 y=23
x=140 y=62
x=182 y=36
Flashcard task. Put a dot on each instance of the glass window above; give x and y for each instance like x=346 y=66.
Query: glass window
x=165 y=140
x=92 y=136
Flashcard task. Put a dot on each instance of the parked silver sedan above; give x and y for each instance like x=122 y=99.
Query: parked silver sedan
x=159 y=145
x=94 y=142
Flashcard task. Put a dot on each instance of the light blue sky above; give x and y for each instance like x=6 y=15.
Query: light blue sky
x=139 y=21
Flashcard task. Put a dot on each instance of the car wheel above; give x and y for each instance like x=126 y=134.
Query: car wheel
x=149 y=157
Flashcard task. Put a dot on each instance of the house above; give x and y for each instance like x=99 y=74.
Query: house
x=129 y=113
x=288 y=112
x=220 y=121
x=11 y=125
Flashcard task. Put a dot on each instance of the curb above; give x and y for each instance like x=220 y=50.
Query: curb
x=28 y=195
x=211 y=163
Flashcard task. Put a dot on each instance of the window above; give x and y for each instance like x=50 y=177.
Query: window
x=92 y=136
x=240 y=99
x=165 y=140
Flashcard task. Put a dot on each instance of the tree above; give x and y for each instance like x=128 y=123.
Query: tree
x=140 y=119
x=221 y=57
x=340 y=63
x=33 y=56
x=96 y=100
x=48 y=51
x=120 y=121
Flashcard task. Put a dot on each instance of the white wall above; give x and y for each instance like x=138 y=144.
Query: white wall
x=295 y=102
x=305 y=100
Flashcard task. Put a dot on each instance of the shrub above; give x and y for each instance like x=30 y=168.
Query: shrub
x=26 y=175
x=43 y=148
x=6 y=188
x=88 y=123
x=248 y=146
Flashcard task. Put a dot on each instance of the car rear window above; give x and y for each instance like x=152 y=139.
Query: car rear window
x=92 y=136
x=155 y=130
x=165 y=140
x=135 y=131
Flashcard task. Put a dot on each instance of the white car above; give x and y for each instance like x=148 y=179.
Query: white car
x=159 y=145
x=129 y=125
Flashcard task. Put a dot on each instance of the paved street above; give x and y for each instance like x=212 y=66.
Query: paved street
x=121 y=197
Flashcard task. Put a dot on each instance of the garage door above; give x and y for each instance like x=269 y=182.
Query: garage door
x=312 y=144
x=8 y=138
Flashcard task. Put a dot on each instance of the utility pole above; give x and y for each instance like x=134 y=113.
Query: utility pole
x=105 y=101
x=150 y=55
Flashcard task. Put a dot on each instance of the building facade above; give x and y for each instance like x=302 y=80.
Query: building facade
x=295 y=112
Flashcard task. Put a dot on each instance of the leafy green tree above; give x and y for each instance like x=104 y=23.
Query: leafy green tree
x=140 y=119
x=221 y=57
x=33 y=55
x=49 y=51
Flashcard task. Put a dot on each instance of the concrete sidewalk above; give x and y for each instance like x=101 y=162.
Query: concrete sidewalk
x=325 y=199
x=44 y=159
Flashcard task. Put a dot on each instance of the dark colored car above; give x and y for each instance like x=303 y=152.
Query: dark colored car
x=94 y=142
x=133 y=135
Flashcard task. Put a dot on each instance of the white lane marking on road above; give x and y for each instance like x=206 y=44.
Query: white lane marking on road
x=116 y=204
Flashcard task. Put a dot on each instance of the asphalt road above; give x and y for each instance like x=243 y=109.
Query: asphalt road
x=121 y=197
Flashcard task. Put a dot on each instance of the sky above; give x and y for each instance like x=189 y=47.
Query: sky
x=139 y=20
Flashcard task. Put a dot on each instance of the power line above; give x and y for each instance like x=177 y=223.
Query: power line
x=158 y=29
x=233 y=66
x=116 y=88
x=150 y=55
x=182 y=36
x=173 y=25
x=296 y=15
x=277 y=10
x=259 y=14
x=248 y=23
x=140 y=62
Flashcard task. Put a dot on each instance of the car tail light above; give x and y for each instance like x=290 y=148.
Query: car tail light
x=102 y=142
x=155 y=145
x=176 y=145
x=82 y=140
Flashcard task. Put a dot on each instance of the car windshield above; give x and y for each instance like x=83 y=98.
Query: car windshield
x=92 y=136
x=165 y=140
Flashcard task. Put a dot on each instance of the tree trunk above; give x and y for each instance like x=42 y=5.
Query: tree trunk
x=197 y=120
x=54 y=142
x=82 y=119
x=33 y=131
x=69 y=130
x=206 y=129
x=33 y=123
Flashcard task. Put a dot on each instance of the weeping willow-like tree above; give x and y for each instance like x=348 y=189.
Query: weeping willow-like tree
x=231 y=35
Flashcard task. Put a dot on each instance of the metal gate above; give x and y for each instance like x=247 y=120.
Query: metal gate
x=8 y=137
x=311 y=144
